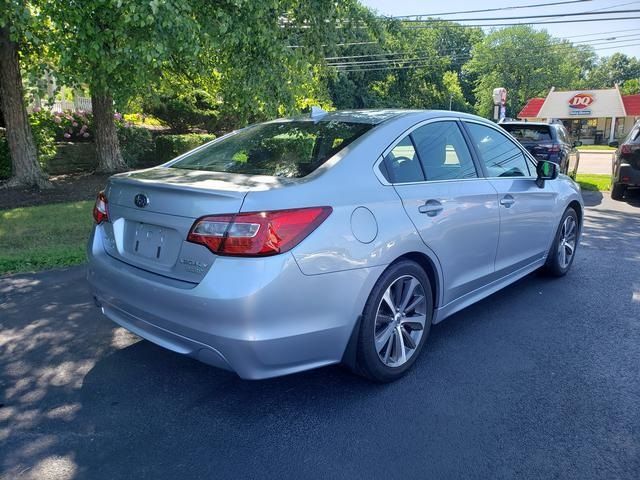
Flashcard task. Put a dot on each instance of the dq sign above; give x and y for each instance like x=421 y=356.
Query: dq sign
x=579 y=104
x=581 y=101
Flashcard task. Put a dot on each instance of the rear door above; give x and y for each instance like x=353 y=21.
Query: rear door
x=527 y=212
x=452 y=207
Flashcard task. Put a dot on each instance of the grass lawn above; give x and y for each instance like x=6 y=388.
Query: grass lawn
x=47 y=236
x=594 y=182
x=586 y=148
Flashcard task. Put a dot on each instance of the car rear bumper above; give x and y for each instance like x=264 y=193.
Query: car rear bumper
x=257 y=317
x=627 y=175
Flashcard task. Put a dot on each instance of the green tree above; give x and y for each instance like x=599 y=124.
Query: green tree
x=406 y=65
x=630 y=87
x=237 y=47
x=116 y=47
x=21 y=30
x=616 y=69
x=526 y=62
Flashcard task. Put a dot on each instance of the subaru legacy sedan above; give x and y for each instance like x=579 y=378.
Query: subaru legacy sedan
x=334 y=238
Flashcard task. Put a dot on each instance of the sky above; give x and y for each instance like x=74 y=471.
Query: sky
x=626 y=32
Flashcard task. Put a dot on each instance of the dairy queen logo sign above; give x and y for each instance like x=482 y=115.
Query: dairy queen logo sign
x=579 y=104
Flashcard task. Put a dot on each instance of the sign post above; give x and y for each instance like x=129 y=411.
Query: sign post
x=499 y=103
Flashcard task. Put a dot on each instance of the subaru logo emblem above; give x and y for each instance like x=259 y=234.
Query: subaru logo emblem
x=141 y=200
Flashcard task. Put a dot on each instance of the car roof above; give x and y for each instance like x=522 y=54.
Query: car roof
x=368 y=116
x=529 y=124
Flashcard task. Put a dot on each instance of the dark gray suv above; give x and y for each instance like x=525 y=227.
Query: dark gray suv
x=626 y=163
x=547 y=141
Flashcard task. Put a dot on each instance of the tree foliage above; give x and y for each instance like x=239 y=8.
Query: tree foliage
x=527 y=63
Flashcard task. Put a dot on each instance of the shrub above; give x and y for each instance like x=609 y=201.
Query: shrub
x=44 y=132
x=5 y=158
x=136 y=145
x=184 y=111
x=69 y=126
x=170 y=146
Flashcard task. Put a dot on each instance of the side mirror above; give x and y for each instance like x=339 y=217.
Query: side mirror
x=546 y=171
x=577 y=143
x=614 y=144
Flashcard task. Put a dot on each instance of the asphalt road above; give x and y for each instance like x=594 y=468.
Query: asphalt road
x=541 y=380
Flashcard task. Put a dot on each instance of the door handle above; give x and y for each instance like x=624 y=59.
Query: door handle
x=431 y=208
x=507 y=201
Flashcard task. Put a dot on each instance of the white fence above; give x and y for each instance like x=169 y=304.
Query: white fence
x=59 y=106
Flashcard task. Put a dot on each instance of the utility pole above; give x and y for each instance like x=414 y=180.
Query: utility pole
x=450 y=101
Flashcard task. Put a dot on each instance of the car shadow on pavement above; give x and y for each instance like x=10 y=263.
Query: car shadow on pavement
x=591 y=198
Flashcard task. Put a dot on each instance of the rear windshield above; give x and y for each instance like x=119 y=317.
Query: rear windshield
x=529 y=133
x=282 y=149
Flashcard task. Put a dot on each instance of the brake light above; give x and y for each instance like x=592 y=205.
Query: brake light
x=628 y=149
x=551 y=147
x=257 y=234
x=100 y=210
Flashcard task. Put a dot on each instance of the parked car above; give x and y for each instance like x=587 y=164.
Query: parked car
x=547 y=141
x=341 y=237
x=626 y=163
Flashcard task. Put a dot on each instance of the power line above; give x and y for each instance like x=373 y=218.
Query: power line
x=524 y=17
x=339 y=59
x=428 y=61
x=537 y=5
x=602 y=33
x=532 y=23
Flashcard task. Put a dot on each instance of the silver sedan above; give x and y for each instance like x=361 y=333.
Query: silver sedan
x=336 y=237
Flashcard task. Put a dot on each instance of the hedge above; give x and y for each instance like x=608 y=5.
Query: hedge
x=170 y=146
x=139 y=150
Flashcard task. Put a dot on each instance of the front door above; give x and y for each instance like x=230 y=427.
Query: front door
x=526 y=210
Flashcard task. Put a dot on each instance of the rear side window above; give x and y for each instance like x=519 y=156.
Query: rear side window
x=443 y=152
x=529 y=133
x=402 y=164
x=501 y=157
x=291 y=149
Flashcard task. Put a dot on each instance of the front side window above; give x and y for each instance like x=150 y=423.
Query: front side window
x=443 y=152
x=290 y=149
x=501 y=157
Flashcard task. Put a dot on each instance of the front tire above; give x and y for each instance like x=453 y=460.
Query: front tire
x=395 y=322
x=562 y=253
x=617 y=191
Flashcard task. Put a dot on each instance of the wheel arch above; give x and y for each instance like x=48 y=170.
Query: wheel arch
x=429 y=266
x=575 y=204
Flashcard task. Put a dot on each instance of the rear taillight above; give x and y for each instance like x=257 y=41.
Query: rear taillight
x=629 y=149
x=551 y=147
x=100 y=210
x=257 y=234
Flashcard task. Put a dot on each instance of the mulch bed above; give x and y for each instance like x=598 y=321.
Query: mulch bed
x=66 y=188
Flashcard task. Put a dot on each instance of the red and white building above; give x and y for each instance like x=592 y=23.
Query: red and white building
x=592 y=116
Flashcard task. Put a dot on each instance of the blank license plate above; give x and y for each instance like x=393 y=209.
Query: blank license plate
x=149 y=240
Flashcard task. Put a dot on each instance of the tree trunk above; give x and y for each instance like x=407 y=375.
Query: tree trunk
x=24 y=155
x=107 y=144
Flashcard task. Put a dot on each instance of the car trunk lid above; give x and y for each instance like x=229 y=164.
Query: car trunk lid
x=152 y=211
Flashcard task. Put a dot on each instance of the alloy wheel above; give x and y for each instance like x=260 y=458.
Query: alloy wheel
x=400 y=321
x=568 y=238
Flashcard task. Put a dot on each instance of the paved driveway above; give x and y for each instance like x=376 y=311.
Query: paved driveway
x=541 y=380
x=595 y=162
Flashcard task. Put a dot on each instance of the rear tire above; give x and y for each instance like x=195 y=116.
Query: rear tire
x=395 y=323
x=565 y=243
x=617 y=191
